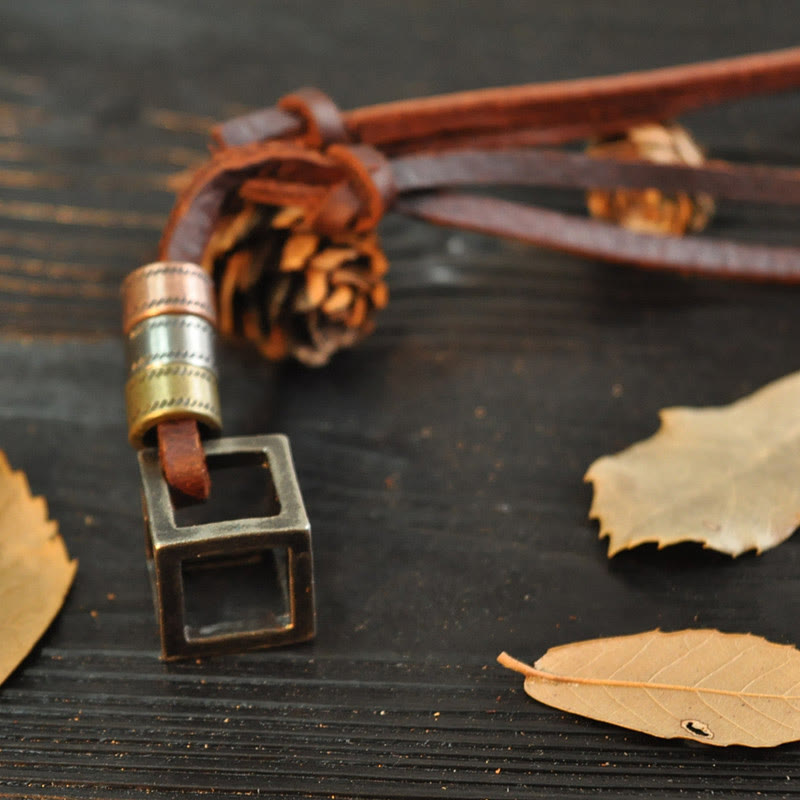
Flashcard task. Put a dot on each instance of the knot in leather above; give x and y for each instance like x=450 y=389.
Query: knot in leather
x=359 y=202
x=359 y=191
x=346 y=188
x=322 y=120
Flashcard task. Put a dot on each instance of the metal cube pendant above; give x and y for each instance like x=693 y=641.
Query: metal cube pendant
x=230 y=584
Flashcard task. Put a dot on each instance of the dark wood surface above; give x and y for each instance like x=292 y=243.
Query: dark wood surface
x=441 y=461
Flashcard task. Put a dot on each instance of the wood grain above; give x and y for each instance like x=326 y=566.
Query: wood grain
x=441 y=461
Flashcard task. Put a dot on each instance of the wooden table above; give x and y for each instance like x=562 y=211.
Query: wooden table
x=441 y=461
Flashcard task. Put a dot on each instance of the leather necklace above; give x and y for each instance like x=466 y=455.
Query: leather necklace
x=275 y=239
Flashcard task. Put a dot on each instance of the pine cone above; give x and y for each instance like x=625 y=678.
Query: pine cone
x=290 y=289
x=649 y=210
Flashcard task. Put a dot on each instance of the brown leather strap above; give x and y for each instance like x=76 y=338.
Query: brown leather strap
x=372 y=185
x=350 y=186
x=398 y=154
x=191 y=221
x=371 y=176
x=655 y=94
x=594 y=239
x=182 y=458
x=571 y=170
x=266 y=123
x=271 y=124
x=559 y=111
x=323 y=123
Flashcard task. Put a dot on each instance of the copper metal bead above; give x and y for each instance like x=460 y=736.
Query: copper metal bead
x=167 y=287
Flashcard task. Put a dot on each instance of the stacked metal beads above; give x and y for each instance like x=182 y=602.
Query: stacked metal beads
x=169 y=319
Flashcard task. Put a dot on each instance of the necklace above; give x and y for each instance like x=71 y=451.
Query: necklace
x=275 y=240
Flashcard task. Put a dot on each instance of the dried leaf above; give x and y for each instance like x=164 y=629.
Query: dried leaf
x=35 y=569
x=727 y=477
x=703 y=685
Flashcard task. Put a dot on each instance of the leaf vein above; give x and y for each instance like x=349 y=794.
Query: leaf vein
x=726 y=717
x=768 y=716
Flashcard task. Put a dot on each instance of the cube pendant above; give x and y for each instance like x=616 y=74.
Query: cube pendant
x=230 y=584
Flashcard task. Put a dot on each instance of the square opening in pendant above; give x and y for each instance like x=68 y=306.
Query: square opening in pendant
x=233 y=594
x=241 y=488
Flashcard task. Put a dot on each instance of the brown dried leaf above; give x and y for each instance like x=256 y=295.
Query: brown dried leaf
x=35 y=569
x=703 y=685
x=727 y=477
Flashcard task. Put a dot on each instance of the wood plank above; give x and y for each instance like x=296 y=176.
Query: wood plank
x=441 y=461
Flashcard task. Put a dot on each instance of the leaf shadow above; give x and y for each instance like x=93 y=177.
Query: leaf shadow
x=679 y=578
x=683 y=557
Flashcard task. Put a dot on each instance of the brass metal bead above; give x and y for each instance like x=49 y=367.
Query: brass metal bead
x=163 y=392
x=167 y=287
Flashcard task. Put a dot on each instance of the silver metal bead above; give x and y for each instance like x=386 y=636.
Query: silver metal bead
x=172 y=338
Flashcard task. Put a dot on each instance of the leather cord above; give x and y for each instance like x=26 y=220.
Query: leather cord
x=346 y=169
x=401 y=177
x=182 y=458
x=321 y=119
x=571 y=170
x=559 y=112
x=595 y=239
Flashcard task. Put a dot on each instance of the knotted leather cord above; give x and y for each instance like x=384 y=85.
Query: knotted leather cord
x=348 y=168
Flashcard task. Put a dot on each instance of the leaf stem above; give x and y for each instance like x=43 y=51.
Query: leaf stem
x=509 y=662
x=531 y=672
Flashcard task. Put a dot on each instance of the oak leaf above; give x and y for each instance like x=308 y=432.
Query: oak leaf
x=35 y=569
x=727 y=477
x=703 y=685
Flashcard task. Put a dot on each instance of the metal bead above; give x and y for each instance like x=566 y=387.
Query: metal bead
x=171 y=338
x=167 y=287
x=162 y=392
